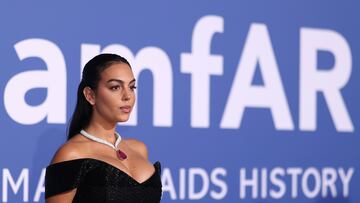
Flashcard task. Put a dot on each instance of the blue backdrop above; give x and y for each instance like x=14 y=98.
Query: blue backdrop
x=241 y=101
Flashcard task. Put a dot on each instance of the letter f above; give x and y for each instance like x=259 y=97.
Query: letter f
x=201 y=64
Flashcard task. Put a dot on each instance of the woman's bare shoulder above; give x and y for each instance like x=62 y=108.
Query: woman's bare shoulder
x=137 y=146
x=72 y=149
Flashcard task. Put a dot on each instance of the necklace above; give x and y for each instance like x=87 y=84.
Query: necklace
x=120 y=154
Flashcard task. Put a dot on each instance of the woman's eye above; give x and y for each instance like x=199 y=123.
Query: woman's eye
x=133 y=87
x=115 y=87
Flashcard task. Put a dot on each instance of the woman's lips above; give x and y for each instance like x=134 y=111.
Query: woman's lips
x=125 y=109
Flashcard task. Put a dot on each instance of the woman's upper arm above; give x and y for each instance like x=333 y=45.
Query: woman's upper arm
x=58 y=176
x=65 y=197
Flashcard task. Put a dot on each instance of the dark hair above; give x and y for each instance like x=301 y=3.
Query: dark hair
x=90 y=78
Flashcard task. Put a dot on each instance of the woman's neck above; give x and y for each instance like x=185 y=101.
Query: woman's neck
x=102 y=129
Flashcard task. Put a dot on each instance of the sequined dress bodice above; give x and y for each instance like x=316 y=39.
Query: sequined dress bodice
x=99 y=182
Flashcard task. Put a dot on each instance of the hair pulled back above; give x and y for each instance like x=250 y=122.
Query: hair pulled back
x=91 y=76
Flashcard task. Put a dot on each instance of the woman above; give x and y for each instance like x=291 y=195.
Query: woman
x=95 y=165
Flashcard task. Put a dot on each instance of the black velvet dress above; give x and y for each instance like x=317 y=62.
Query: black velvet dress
x=99 y=182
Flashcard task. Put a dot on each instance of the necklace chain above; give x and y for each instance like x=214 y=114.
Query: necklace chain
x=102 y=141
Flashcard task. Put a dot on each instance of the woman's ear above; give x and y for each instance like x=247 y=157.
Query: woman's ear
x=89 y=95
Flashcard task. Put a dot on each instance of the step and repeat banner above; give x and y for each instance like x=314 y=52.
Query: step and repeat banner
x=240 y=101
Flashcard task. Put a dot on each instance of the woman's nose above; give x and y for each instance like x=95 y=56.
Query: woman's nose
x=126 y=95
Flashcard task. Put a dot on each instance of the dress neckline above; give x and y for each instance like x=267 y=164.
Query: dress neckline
x=156 y=166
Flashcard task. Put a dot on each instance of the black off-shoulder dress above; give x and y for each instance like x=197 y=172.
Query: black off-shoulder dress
x=99 y=182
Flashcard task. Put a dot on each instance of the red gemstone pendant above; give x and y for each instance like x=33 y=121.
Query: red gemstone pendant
x=121 y=155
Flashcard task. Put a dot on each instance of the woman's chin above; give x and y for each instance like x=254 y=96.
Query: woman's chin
x=122 y=119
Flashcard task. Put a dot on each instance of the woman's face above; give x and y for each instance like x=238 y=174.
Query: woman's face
x=115 y=95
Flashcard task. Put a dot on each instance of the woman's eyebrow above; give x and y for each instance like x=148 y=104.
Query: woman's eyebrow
x=119 y=81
